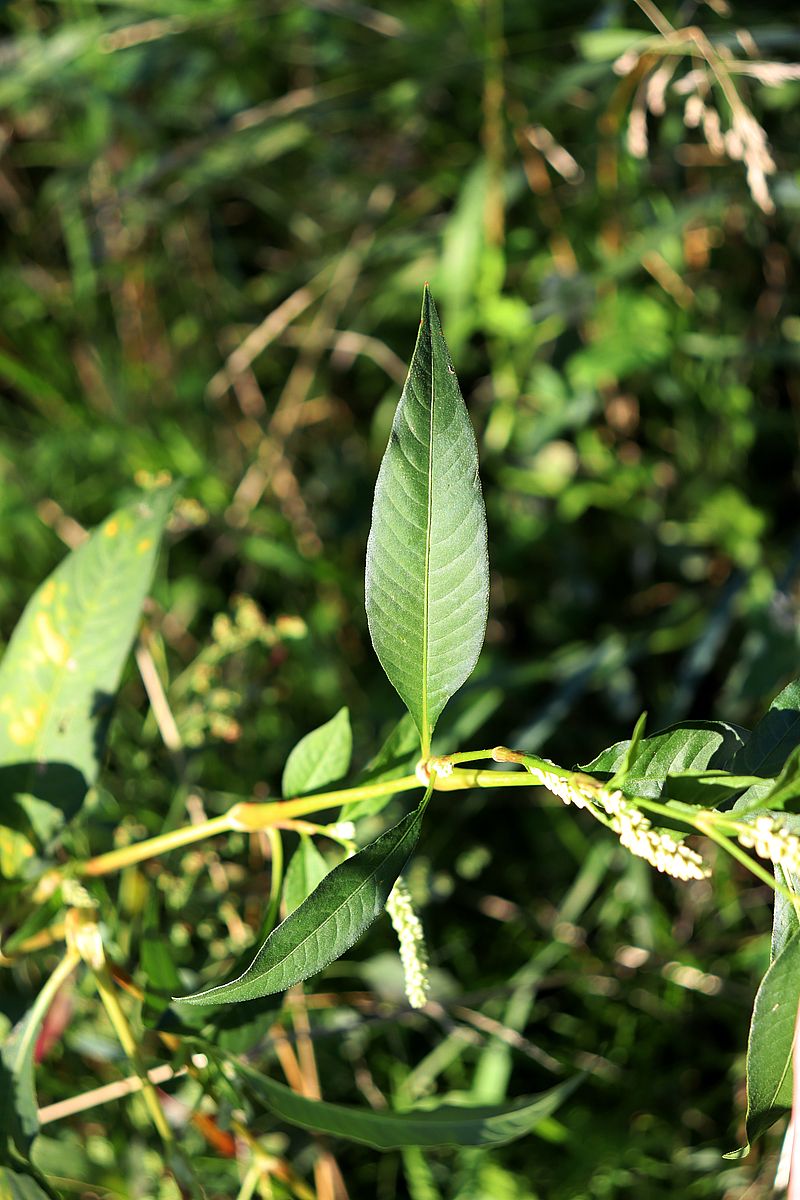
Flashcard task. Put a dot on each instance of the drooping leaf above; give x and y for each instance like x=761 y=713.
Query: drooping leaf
x=306 y=870
x=396 y=757
x=427 y=579
x=329 y=922
x=61 y=670
x=320 y=758
x=440 y=1125
x=769 y=1050
x=17 y=1053
x=691 y=746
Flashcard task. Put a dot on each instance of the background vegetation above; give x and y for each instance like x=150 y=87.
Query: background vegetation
x=218 y=217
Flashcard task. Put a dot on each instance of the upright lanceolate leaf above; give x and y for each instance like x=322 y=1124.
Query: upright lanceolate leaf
x=62 y=667
x=427 y=584
x=339 y=910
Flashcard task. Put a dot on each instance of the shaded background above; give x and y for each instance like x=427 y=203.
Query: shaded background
x=218 y=217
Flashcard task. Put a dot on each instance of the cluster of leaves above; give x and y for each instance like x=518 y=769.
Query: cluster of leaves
x=427 y=594
x=191 y=212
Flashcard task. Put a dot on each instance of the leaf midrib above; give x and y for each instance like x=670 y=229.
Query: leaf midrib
x=425 y=731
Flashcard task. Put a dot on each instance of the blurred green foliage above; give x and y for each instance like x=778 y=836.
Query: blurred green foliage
x=218 y=216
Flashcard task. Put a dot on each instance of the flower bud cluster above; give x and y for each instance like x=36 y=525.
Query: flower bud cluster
x=771 y=840
x=635 y=831
x=661 y=849
x=580 y=790
x=413 y=953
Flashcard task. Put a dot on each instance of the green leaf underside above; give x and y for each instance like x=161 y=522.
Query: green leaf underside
x=692 y=746
x=427 y=576
x=769 y=1050
x=320 y=758
x=329 y=922
x=306 y=870
x=443 y=1125
x=62 y=667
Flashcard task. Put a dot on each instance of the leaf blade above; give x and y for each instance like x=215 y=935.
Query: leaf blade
x=770 y=1044
x=443 y=1125
x=690 y=746
x=64 y=661
x=341 y=908
x=320 y=758
x=427 y=576
x=18 y=1052
x=305 y=872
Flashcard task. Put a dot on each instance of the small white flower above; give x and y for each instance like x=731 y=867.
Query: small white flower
x=772 y=841
x=413 y=953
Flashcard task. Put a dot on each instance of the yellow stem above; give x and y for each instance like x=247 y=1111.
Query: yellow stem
x=249 y=817
x=122 y=1029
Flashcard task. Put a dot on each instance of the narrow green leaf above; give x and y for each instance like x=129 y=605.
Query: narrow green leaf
x=17 y=1053
x=63 y=663
x=329 y=922
x=427 y=580
x=320 y=758
x=440 y=1125
x=709 y=788
x=631 y=753
x=769 y=1050
x=692 y=746
x=306 y=870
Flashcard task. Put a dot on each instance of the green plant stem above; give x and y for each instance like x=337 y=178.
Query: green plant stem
x=275 y=878
x=461 y=779
x=115 y=860
x=245 y=817
x=463 y=756
x=250 y=1182
x=122 y=1029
